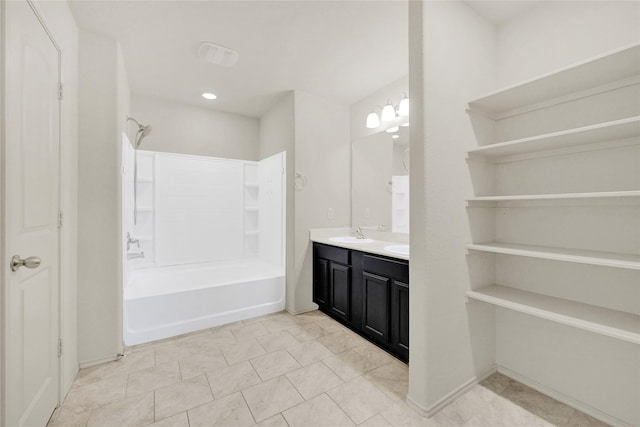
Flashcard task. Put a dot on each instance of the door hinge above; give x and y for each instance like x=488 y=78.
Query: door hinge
x=60 y=90
x=59 y=347
x=60 y=216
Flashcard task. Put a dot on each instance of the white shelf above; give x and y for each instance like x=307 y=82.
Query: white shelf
x=565 y=196
x=604 y=69
x=251 y=233
x=604 y=321
x=144 y=179
x=607 y=259
x=608 y=131
x=144 y=209
x=251 y=209
x=252 y=185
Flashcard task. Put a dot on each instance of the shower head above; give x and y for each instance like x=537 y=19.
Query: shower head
x=142 y=131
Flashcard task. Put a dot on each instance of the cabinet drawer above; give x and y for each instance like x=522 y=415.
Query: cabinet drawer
x=332 y=253
x=398 y=270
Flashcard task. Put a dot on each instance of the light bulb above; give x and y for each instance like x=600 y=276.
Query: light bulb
x=208 y=95
x=393 y=129
x=373 y=121
x=396 y=136
x=388 y=113
x=403 y=108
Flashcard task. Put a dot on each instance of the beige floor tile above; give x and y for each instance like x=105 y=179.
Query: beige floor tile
x=277 y=341
x=539 y=404
x=329 y=325
x=341 y=341
x=150 y=379
x=497 y=383
x=229 y=326
x=400 y=414
x=182 y=396
x=580 y=419
x=68 y=418
x=188 y=347
x=308 y=317
x=264 y=317
x=376 y=355
x=314 y=379
x=392 y=379
x=179 y=420
x=349 y=365
x=230 y=411
x=223 y=338
x=309 y=352
x=243 y=351
x=376 y=421
x=465 y=407
x=320 y=411
x=275 y=421
x=129 y=363
x=202 y=363
x=271 y=397
x=249 y=332
x=307 y=332
x=274 y=364
x=360 y=400
x=93 y=395
x=502 y=413
x=232 y=379
x=134 y=411
x=278 y=324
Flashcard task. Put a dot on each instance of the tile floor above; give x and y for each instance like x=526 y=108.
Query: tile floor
x=283 y=370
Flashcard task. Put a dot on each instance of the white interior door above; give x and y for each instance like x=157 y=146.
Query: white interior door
x=31 y=293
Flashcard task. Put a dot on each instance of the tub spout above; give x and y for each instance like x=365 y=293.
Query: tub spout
x=135 y=255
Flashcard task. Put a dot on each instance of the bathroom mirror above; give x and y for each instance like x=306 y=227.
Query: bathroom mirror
x=380 y=181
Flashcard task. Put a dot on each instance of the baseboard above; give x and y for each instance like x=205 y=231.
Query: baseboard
x=453 y=395
x=581 y=406
x=304 y=310
x=98 y=361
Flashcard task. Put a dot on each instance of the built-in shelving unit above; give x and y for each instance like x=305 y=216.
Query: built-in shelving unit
x=607 y=259
x=610 y=131
x=612 y=323
x=556 y=217
x=251 y=208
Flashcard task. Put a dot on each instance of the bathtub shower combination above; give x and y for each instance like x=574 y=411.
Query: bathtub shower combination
x=207 y=247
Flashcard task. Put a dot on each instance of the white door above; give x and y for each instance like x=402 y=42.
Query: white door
x=31 y=293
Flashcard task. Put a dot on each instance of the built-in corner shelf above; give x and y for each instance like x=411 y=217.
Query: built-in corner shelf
x=144 y=209
x=251 y=233
x=144 y=179
x=252 y=185
x=602 y=195
x=615 y=66
x=609 y=131
x=145 y=237
x=251 y=209
x=604 y=321
x=606 y=259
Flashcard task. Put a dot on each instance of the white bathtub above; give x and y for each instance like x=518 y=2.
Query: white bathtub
x=167 y=301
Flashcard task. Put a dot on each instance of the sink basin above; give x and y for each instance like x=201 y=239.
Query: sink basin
x=397 y=249
x=350 y=239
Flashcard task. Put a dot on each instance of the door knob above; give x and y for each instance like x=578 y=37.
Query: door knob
x=17 y=262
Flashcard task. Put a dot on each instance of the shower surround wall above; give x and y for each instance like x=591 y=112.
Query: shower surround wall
x=212 y=230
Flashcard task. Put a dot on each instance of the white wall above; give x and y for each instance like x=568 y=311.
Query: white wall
x=359 y=111
x=101 y=120
x=323 y=156
x=277 y=133
x=450 y=344
x=185 y=129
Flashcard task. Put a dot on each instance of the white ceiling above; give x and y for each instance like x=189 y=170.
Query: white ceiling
x=499 y=12
x=343 y=50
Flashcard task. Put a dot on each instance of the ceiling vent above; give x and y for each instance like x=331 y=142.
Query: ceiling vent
x=216 y=54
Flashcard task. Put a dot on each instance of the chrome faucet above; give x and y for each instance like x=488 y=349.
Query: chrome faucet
x=359 y=234
x=135 y=255
x=131 y=240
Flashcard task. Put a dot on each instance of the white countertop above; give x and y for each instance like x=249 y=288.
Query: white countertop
x=380 y=240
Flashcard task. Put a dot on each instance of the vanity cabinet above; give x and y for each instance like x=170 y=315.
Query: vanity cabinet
x=368 y=293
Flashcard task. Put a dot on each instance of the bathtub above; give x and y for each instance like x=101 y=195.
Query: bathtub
x=168 y=301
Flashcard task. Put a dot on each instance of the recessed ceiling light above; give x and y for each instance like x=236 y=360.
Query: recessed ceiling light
x=208 y=95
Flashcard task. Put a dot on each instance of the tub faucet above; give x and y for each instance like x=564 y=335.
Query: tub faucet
x=359 y=234
x=135 y=255
x=131 y=240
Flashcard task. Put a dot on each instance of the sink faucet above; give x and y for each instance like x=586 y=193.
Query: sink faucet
x=359 y=234
x=131 y=240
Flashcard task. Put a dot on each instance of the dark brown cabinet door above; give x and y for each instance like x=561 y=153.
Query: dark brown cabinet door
x=376 y=307
x=321 y=282
x=339 y=290
x=400 y=319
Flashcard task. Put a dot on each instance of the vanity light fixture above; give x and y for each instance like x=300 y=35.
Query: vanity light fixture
x=388 y=112
x=393 y=129
x=373 y=121
x=403 y=107
x=395 y=136
x=405 y=124
x=209 y=95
